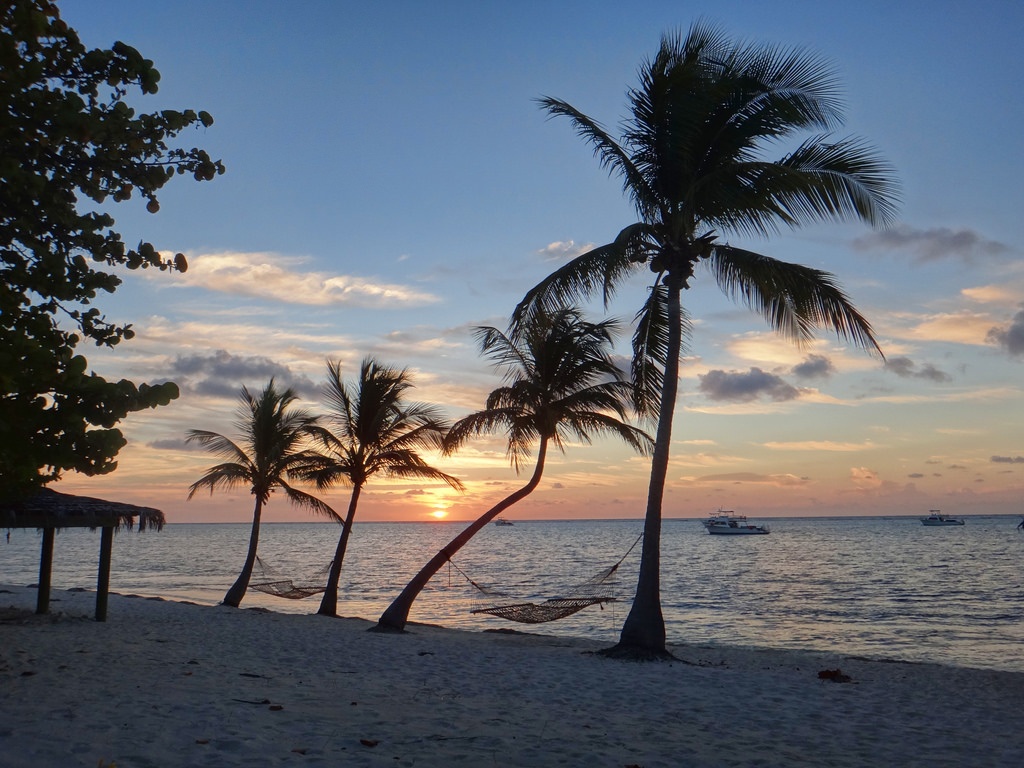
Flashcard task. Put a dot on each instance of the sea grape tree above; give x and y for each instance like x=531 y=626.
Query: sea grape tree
x=70 y=147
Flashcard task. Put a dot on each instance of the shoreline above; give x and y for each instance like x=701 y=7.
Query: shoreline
x=868 y=589
x=165 y=683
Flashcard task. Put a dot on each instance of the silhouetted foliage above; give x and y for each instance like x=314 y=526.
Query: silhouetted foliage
x=274 y=447
x=69 y=146
x=561 y=384
x=373 y=430
x=692 y=160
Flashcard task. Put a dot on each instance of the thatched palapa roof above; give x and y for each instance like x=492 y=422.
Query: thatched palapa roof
x=51 y=509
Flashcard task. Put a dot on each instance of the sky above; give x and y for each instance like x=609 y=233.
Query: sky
x=391 y=184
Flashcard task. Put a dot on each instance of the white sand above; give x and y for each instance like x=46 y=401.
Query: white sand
x=167 y=684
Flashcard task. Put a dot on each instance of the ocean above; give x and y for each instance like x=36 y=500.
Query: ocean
x=879 y=587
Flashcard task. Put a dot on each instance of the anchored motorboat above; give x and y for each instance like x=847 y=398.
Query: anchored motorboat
x=729 y=523
x=935 y=517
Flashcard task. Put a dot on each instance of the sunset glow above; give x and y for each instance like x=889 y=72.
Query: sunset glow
x=278 y=284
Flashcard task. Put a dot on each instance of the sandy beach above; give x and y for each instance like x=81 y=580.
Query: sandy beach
x=166 y=684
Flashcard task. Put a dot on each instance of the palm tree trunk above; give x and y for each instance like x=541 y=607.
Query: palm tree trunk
x=237 y=592
x=643 y=633
x=397 y=614
x=329 y=602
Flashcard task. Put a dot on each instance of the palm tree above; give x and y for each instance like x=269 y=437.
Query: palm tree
x=561 y=382
x=272 y=449
x=692 y=160
x=376 y=432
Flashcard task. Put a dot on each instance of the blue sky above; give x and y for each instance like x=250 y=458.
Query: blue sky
x=391 y=184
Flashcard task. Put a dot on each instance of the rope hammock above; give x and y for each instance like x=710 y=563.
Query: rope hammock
x=590 y=592
x=271 y=582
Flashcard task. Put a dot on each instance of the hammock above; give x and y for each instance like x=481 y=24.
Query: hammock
x=270 y=582
x=550 y=610
x=590 y=592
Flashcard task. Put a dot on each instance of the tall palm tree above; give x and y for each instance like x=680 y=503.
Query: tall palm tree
x=271 y=450
x=692 y=159
x=375 y=432
x=561 y=382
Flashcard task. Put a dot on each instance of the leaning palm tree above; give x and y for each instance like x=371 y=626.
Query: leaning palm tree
x=375 y=432
x=561 y=382
x=271 y=450
x=692 y=159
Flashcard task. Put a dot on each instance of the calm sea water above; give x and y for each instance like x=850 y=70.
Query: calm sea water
x=883 y=587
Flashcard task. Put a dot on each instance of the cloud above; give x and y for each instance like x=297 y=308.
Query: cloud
x=1008 y=459
x=765 y=348
x=740 y=387
x=564 y=250
x=222 y=374
x=962 y=327
x=814 y=367
x=933 y=244
x=174 y=444
x=1011 y=337
x=906 y=368
x=781 y=480
x=864 y=477
x=704 y=460
x=821 y=445
x=993 y=294
x=273 y=276
x=916 y=475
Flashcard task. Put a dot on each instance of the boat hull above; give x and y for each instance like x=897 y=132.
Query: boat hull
x=736 y=531
x=937 y=523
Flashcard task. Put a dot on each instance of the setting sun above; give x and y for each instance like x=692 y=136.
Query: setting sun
x=439 y=514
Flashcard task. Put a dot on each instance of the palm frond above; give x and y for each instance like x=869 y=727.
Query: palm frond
x=650 y=350
x=585 y=425
x=217 y=444
x=274 y=435
x=609 y=154
x=222 y=476
x=841 y=179
x=599 y=269
x=787 y=88
x=560 y=380
x=480 y=423
x=795 y=300
x=404 y=467
x=378 y=430
x=307 y=501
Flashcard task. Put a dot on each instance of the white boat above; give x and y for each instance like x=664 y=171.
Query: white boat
x=503 y=521
x=937 y=518
x=728 y=523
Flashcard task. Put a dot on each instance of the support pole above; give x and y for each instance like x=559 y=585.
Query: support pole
x=45 y=569
x=103 y=578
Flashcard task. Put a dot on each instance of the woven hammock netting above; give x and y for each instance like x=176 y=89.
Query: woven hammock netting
x=593 y=591
x=273 y=583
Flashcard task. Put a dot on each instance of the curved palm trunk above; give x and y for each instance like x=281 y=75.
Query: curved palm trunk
x=643 y=633
x=329 y=602
x=237 y=592
x=397 y=614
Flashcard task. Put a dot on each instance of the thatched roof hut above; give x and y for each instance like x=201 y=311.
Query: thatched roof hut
x=51 y=511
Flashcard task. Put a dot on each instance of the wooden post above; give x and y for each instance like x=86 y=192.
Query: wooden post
x=45 y=570
x=103 y=578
